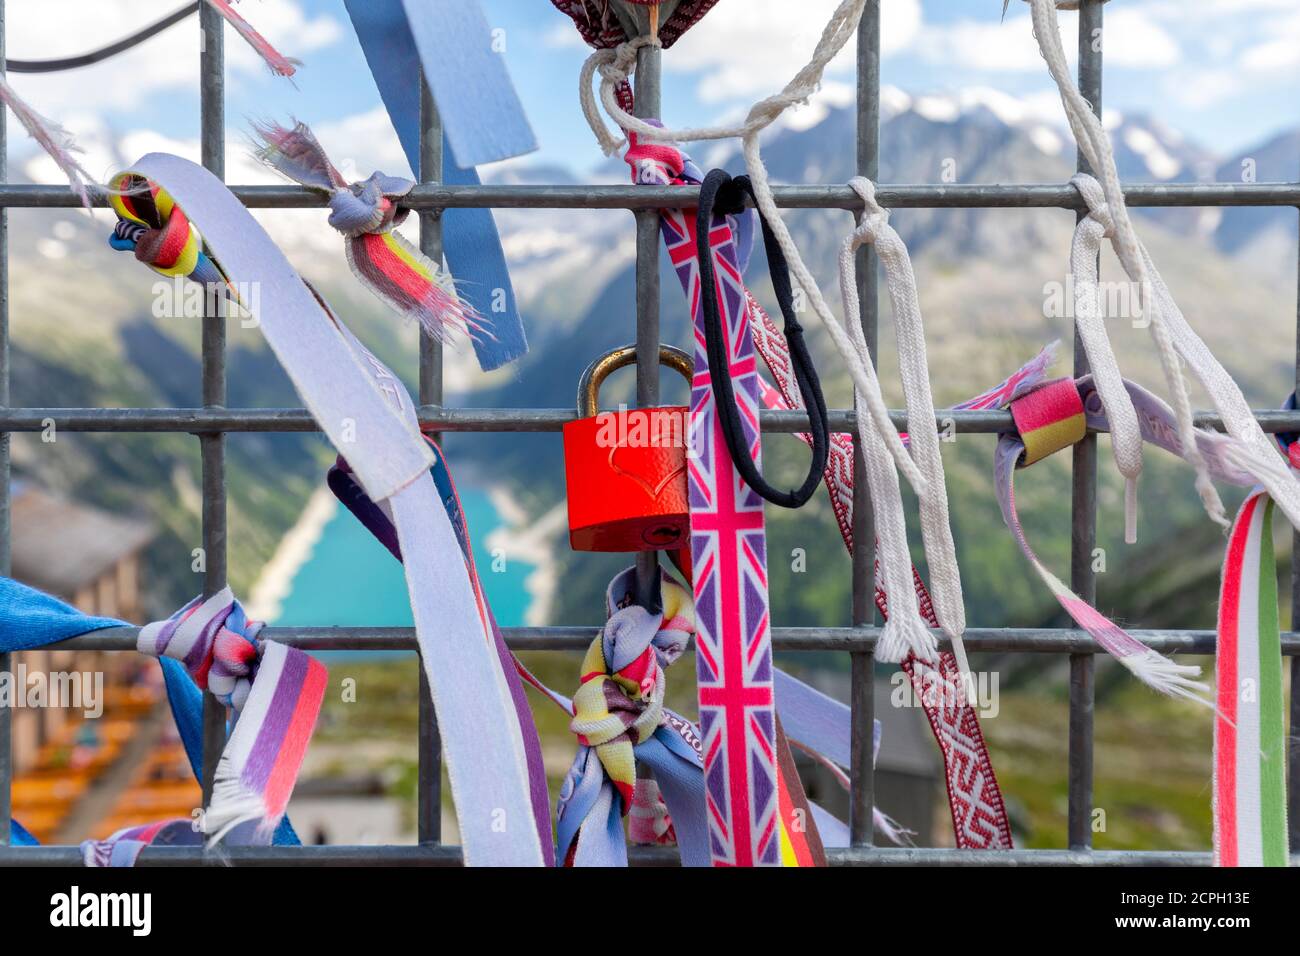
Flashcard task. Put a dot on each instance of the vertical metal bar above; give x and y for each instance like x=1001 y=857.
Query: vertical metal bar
x=647 y=294
x=862 y=674
x=212 y=135
x=1293 y=750
x=6 y=660
x=1083 y=518
x=429 y=797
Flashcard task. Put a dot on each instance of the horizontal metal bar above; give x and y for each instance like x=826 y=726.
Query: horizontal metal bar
x=439 y=855
x=1044 y=640
x=922 y=196
x=205 y=420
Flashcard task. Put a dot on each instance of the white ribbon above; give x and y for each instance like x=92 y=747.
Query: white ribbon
x=484 y=751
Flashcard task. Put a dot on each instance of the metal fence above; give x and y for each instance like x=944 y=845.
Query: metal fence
x=213 y=421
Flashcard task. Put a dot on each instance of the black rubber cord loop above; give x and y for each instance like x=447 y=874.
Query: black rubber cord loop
x=719 y=191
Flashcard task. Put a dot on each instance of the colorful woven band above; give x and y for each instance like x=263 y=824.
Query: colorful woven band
x=1250 y=819
x=1049 y=418
x=729 y=558
x=1158 y=426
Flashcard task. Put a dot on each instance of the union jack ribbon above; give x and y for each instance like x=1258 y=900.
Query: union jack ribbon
x=728 y=549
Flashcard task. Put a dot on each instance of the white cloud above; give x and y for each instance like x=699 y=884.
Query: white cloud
x=1132 y=39
x=754 y=48
x=1263 y=50
x=832 y=95
x=1274 y=55
x=362 y=143
x=563 y=36
x=979 y=45
x=166 y=62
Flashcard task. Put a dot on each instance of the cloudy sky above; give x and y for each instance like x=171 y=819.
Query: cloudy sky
x=1226 y=72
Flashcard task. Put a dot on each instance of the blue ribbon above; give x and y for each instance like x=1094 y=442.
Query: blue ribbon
x=30 y=618
x=393 y=35
x=588 y=794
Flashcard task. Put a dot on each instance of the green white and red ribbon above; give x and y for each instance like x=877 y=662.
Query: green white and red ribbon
x=1250 y=827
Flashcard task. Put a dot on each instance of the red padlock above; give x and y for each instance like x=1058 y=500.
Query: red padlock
x=625 y=471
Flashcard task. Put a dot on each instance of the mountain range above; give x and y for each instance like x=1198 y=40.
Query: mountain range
x=83 y=334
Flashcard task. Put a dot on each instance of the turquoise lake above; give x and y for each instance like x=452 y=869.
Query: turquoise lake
x=351 y=579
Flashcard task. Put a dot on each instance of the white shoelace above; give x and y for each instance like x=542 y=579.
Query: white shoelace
x=905 y=629
x=925 y=473
x=1172 y=334
x=1125 y=435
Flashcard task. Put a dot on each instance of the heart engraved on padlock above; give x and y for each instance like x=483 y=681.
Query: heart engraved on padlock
x=625 y=471
x=618 y=463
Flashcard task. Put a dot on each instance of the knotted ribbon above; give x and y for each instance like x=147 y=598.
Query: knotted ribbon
x=31 y=619
x=1225 y=459
x=158 y=232
x=487 y=757
x=366 y=213
x=276 y=693
x=215 y=641
x=618 y=718
x=449 y=46
x=620 y=698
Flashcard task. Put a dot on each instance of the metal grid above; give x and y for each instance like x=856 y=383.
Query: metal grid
x=213 y=421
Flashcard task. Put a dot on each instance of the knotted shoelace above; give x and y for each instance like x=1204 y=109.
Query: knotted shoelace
x=366 y=214
x=882 y=449
x=978 y=812
x=904 y=632
x=1172 y=335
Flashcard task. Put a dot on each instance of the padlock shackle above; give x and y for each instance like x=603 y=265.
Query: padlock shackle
x=595 y=374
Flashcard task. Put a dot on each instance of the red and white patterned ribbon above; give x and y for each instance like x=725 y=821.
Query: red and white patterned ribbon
x=979 y=816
